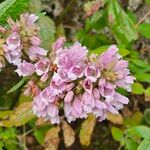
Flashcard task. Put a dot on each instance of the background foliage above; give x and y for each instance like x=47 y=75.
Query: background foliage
x=125 y=23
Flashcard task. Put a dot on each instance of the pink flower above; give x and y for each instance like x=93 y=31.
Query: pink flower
x=39 y=107
x=69 y=96
x=35 y=41
x=49 y=111
x=58 y=44
x=29 y=19
x=109 y=56
x=106 y=88
x=92 y=72
x=62 y=74
x=87 y=85
x=31 y=88
x=36 y=52
x=69 y=86
x=96 y=93
x=57 y=84
x=88 y=102
x=44 y=77
x=25 y=69
x=47 y=95
x=71 y=56
x=13 y=58
x=42 y=66
x=13 y=49
x=13 y=39
x=75 y=72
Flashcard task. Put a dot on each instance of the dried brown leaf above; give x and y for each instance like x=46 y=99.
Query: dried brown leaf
x=86 y=131
x=68 y=133
x=52 y=138
x=21 y=115
x=115 y=118
x=42 y=122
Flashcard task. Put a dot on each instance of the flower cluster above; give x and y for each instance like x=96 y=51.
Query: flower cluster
x=23 y=41
x=77 y=83
x=82 y=84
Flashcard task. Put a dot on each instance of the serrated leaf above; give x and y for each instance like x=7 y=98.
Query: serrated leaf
x=18 y=85
x=52 y=138
x=115 y=118
x=120 y=24
x=21 y=115
x=117 y=134
x=144 y=145
x=86 y=131
x=12 y=8
x=144 y=29
x=139 y=131
x=47 y=31
x=137 y=88
x=68 y=133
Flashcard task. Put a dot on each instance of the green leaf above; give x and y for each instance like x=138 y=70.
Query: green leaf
x=21 y=115
x=23 y=98
x=18 y=85
x=140 y=63
x=144 y=145
x=5 y=114
x=147 y=1
x=123 y=52
x=8 y=134
x=47 y=31
x=137 y=88
x=144 y=29
x=97 y=21
x=139 y=131
x=1 y=145
x=12 y=8
x=131 y=144
x=40 y=133
x=86 y=131
x=146 y=116
x=117 y=134
x=120 y=24
x=143 y=77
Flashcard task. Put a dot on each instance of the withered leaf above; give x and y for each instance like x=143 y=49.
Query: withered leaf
x=68 y=133
x=115 y=118
x=86 y=131
x=52 y=138
x=21 y=115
